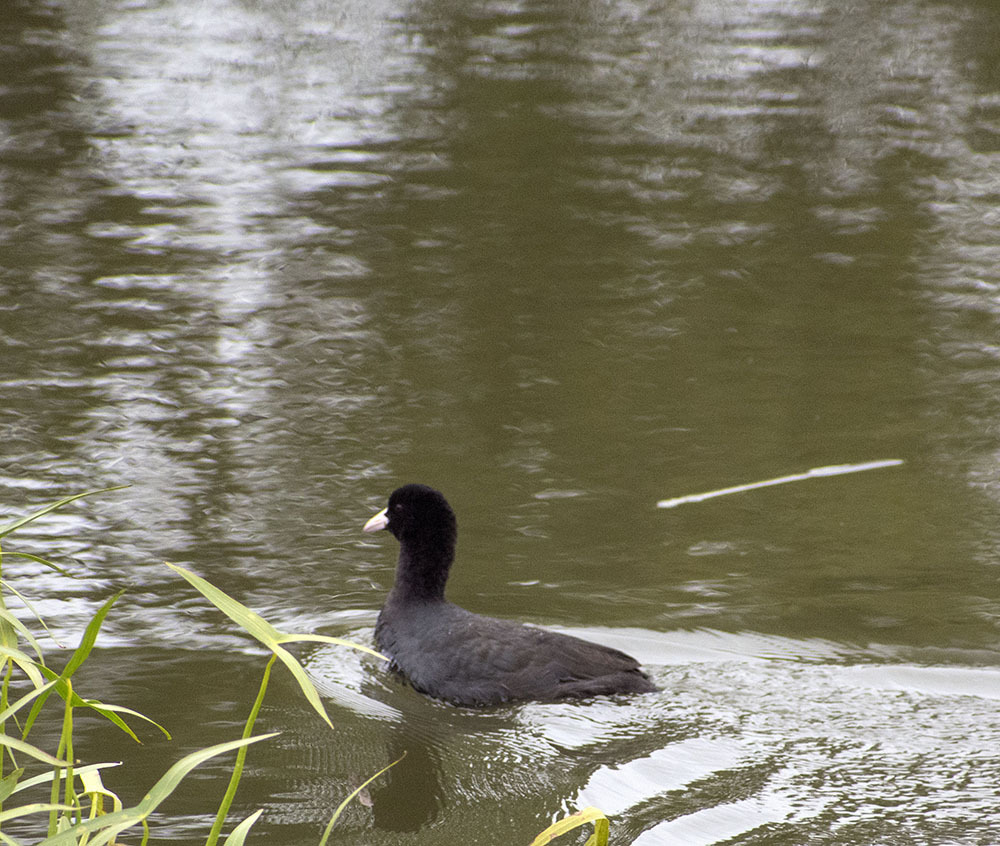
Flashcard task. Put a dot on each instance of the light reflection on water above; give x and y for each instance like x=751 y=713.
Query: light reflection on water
x=832 y=742
x=265 y=263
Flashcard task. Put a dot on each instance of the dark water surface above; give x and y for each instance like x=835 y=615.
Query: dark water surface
x=266 y=261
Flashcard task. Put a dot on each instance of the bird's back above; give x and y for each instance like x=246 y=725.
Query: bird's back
x=469 y=659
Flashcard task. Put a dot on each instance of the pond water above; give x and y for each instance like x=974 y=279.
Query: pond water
x=265 y=262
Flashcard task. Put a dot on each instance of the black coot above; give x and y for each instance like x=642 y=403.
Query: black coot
x=467 y=659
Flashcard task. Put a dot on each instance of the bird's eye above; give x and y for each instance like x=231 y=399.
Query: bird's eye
x=398 y=507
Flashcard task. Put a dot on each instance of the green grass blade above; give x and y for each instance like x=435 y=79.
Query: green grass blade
x=25 y=662
x=589 y=814
x=236 y=611
x=61 y=687
x=8 y=784
x=350 y=796
x=17 y=524
x=33 y=751
x=44 y=562
x=8 y=634
x=107 y=826
x=259 y=628
x=34 y=808
x=337 y=641
x=8 y=586
x=77 y=658
x=110 y=834
x=89 y=637
x=10 y=710
x=109 y=711
x=106 y=711
x=239 y=834
x=237 y=774
x=8 y=840
x=602 y=829
x=305 y=683
x=17 y=625
x=45 y=778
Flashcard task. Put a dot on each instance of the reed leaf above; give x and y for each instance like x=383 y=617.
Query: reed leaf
x=267 y=634
x=43 y=561
x=19 y=626
x=105 y=828
x=589 y=814
x=33 y=808
x=82 y=652
x=10 y=710
x=8 y=784
x=109 y=712
x=239 y=834
x=17 y=524
x=45 y=778
x=350 y=796
x=24 y=661
x=336 y=641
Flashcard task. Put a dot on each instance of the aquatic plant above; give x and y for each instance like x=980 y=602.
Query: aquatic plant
x=581 y=818
x=78 y=807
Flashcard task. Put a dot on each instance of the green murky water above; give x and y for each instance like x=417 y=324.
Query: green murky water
x=265 y=263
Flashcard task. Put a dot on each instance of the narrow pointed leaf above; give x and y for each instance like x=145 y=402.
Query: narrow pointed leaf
x=351 y=795
x=108 y=825
x=236 y=611
x=15 y=623
x=602 y=830
x=10 y=527
x=44 y=562
x=79 y=656
x=261 y=630
x=337 y=641
x=239 y=834
x=12 y=709
x=8 y=784
x=253 y=622
x=8 y=634
x=34 y=808
x=106 y=711
x=33 y=751
x=305 y=683
x=24 y=661
x=89 y=637
x=580 y=818
x=45 y=778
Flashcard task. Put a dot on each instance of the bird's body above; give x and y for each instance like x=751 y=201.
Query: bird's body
x=469 y=659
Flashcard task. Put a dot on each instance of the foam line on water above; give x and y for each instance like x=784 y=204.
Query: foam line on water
x=814 y=473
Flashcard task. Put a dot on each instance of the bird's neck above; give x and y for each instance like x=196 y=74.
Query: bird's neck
x=422 y=570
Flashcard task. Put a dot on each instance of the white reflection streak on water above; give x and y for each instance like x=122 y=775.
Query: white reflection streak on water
x=618 y=788
x=182 y=149
x=213 y=132
x=224 y=108
x=853 y=738
x=822 y=736
x=711 y=825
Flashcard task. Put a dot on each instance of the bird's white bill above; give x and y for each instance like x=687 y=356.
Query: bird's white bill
x=379 y=521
